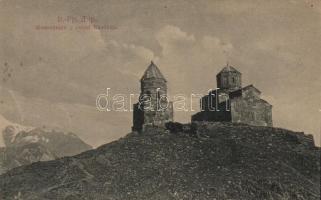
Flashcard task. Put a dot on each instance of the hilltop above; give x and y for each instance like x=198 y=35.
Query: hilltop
x=194 y=161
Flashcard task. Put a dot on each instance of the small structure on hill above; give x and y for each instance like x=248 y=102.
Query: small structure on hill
x=153 y=107
x=233 y=103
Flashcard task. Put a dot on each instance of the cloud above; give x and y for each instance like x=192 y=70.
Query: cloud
x=172 y=40
x=273 y=43
x=74 y=65
x=130 y=59
x=87 y=122
x=171 y=33
x=175 y=41
x=187 y=58
x=184 y=57
x=212 y=43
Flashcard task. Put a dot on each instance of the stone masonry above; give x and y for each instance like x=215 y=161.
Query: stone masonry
x=153 y=108
x=232 y=103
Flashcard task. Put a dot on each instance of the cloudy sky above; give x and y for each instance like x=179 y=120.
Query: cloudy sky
x=52 y=78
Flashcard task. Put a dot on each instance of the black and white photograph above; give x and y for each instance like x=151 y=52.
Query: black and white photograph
x=160 y=99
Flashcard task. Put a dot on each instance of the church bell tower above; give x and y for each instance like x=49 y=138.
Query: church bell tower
x=153 y=107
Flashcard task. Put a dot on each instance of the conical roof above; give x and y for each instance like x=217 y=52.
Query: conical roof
x=229 y=68
x=152 y=72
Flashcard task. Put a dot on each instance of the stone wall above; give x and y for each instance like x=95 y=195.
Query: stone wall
x=251 y=110
x=151 y=117
x=244 y=106
x=213 y=109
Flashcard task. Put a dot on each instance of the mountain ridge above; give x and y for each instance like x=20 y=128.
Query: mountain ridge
x=25 y=145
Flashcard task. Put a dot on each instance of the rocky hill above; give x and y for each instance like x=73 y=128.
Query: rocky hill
x=198 y=161
x=25 y=146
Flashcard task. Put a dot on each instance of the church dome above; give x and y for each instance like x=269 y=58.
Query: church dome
x=229 y=78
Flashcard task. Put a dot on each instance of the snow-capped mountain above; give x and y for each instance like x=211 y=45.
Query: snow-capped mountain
x=15 y=128
x=23 y=145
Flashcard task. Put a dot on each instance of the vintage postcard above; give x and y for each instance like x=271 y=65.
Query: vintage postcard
x=160 y=99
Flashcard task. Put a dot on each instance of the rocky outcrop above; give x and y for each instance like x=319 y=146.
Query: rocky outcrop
x=198 y=161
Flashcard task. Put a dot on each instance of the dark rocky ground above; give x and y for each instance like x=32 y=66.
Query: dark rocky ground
x=198 y=161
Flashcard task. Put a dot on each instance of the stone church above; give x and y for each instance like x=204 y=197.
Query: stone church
x=233 y=103
x=153 y=107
